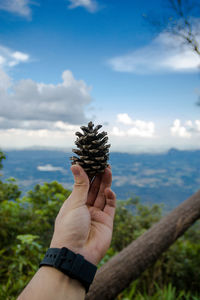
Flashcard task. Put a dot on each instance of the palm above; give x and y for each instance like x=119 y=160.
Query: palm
x=88 y=217
x=101 y=214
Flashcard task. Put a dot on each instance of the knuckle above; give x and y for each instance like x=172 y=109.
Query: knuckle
x=81 y=184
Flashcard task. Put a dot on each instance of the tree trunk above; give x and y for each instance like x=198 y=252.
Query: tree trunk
x=126 y=266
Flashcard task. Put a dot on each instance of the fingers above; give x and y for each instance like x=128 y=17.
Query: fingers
x=110 y=205
x=106 y=181
x=93 y=195
x=94 y=189
x=81 y=184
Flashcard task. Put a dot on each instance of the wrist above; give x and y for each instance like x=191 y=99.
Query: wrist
x=71 y=264
x=88 y=255
x=62 y=279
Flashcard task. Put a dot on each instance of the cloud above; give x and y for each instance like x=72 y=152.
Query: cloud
x=90 y=5
x=29 y=104
x=178 y=130
x=17 y=138
x=5 y=82
x=185 y=131
x=10 y=58
x=124 y=119
x=138 y=128
x=19 y=7
x=65 y=127
x=165 y=53
x=50 y=168
x=197 y=123
x=37 y=125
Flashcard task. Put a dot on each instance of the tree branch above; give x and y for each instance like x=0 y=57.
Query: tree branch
x=123 y=268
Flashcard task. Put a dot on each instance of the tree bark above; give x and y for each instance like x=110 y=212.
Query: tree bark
x=126 y=266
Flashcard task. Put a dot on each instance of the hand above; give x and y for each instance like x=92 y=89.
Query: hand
x=85 y=221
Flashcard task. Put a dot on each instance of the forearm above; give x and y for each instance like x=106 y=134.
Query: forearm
x=50 y=284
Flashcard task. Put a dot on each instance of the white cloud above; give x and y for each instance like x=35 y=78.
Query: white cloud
x=197 y=123
x=118 y=132
x=186 y=130
x=20 y=56
x=178 y=130
x=66 y=127
x=35 y=113
x=49 y=168
x=138 y=128
x=19 y=7
x=124 y=119
x=189 y=123
x=90 y=5
x=165 y=53
x=10 y=58
x=18 y=138
x=28 y=104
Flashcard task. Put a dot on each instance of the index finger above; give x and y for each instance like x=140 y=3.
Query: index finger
x=106 y=182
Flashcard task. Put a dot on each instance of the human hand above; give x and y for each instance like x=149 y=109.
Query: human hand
x=84 y=223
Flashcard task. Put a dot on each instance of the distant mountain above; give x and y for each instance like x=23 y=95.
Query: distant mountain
x=167 y=178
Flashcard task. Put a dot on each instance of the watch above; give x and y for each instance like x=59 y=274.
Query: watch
x=71 y=264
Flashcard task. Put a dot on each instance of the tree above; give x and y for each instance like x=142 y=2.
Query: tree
x=129 y=264
x=8 y=190
x=180 y=18
x=183 y=23
x=26 y=229
x=2 y=156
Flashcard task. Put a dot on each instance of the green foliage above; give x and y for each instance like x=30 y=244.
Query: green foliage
x=131 y=220
x=44 y=203
x=20 y=265
x=168 y=292
x=2 y=156
x=27 y=225
x=26 y=229
x=9 y=190
x=176 y=273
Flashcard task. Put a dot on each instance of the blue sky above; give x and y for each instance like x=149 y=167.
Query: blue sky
x=63 y=63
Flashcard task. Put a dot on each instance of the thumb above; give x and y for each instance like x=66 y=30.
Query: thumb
x=81 y=184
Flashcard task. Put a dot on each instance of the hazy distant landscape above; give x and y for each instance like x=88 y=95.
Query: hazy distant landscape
x=167 y=178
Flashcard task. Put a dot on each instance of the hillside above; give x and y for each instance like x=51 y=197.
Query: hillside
x=167 y=178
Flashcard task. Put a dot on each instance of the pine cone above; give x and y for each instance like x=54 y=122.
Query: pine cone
x=93 y=151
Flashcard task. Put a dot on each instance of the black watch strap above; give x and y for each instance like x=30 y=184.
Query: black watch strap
x=72 y=264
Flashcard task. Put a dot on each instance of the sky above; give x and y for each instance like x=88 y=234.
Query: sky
x=66 y=62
